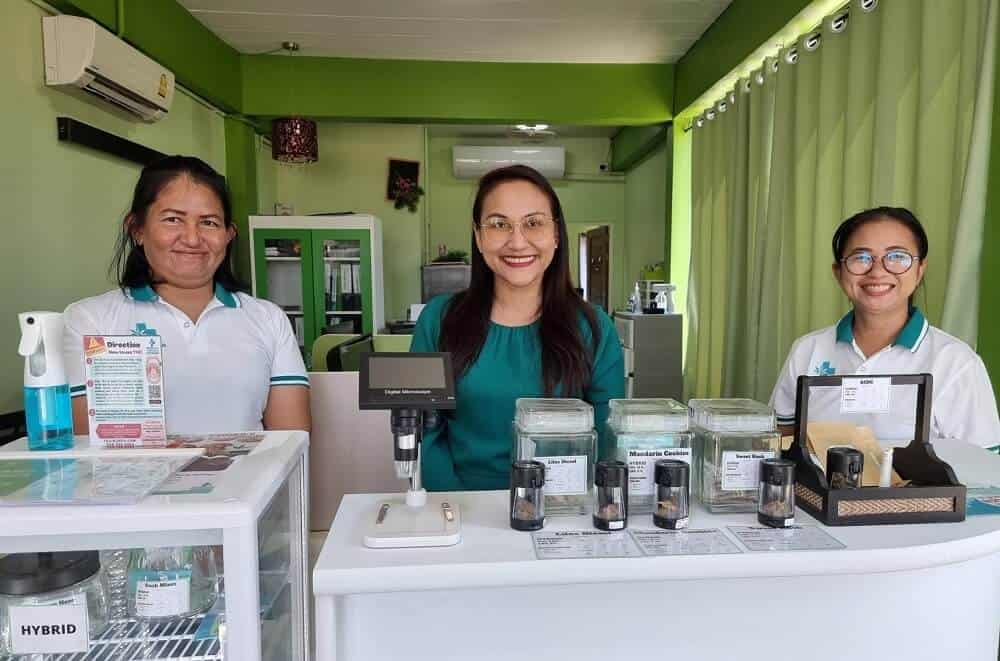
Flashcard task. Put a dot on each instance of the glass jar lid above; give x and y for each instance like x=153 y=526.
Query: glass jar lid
x=732 y=415
x=554 y=416
x=671 y=473
x=647 y=415
x=777 y=472
x=35 y=573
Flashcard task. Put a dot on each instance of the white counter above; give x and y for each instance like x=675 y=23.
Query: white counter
x=894 y=592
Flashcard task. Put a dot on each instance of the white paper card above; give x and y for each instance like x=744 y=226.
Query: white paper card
x=705 y=541
x=58 y=628
x=794 y=538
x=163 y=597
x=566 y=475
x=125 y=398
x=865 y=395
x=642 y=463
x=741 y=469
x=567 y=544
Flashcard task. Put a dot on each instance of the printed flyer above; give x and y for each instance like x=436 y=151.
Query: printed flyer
x=125 y=390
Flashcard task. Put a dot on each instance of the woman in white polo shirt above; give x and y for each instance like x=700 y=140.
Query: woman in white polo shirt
x=230 y=361
x=879 y=260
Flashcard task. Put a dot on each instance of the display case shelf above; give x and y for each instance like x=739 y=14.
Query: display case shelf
x=132 y=640
x=283 y=259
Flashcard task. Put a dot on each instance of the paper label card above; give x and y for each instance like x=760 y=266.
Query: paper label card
x=865 y=395
x=58 y=627
x=161 y=594
x=705 y=541
x=642 y=463
x=125 y=398
x=793 y=538
x=741 y=469
x=566 y=544
x=565 y=476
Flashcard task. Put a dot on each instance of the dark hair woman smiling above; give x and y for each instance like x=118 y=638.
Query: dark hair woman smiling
x=519 y=330
x=230 y=361
x=879 y=260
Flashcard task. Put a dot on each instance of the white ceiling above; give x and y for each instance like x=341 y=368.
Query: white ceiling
x=505 y=131
x=604 y=31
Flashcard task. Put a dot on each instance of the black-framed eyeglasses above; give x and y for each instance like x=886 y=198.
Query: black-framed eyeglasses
x=896 y=262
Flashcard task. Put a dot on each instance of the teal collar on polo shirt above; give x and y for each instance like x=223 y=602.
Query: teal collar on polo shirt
x=146 y=293
x=911 y=336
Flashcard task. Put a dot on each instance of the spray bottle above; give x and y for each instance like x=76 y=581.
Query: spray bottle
x=46 y=389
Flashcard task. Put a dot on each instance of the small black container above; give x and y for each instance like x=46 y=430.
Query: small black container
x=611 y=494
x=527 y=500
x=673 y=489
x=776 y=496
x=843 y=468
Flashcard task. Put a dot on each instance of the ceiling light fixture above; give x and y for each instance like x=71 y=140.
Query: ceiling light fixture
x=294 y=139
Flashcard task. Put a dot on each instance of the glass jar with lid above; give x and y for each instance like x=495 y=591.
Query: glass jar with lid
x=776 y=500
x=63 y=592
x=642 y=432
x=560 y=434
x=171 y=582
x=732 y=437
x=527 y=503
x=611 y=498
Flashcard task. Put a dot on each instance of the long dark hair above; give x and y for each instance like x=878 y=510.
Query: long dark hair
x=566 y=362
x=129 y=266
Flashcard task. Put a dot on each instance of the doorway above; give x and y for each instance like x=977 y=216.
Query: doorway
x=595 y=257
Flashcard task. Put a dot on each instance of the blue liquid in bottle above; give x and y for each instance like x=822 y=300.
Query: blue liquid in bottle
x=50 y=418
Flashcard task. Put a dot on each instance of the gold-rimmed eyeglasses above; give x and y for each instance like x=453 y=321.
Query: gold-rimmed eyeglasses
x=533 y=227
x=896 y=262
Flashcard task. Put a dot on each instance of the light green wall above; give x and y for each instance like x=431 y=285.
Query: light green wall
x=646 y=212
x=680 y=221
x=351 y=176
x=588 y=200
x=63 y=203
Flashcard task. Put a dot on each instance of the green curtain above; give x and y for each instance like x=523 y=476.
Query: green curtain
x=891 y=107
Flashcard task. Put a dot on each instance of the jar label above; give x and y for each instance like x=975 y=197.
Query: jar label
x=161 y=593
x=642 y=463
x=565 y=475
x=59 y=626
x=741 y=469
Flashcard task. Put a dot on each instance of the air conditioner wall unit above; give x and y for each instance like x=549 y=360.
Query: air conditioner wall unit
x=80 y=53
x=469 y=162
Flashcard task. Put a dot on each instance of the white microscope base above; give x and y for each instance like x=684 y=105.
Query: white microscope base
x=408 y=527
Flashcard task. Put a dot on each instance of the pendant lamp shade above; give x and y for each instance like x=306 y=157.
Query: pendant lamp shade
x=294 y=140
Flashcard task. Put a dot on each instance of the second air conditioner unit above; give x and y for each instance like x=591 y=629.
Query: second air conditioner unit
x=470 y=162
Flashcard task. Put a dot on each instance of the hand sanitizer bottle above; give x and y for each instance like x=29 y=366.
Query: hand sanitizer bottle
x=47 y=405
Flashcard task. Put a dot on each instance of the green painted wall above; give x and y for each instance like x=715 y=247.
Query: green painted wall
x=241 y=175
x=739 y=30
x=275 y=85
x=588 y=202
x=62 y=203
x=680 y=221
x=647 y=212
x=351 y=176
x=634 y=143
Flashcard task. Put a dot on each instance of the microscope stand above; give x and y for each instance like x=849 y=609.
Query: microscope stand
x=395 y=524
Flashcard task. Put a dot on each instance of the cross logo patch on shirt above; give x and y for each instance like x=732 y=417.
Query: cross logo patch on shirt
x=824 y=369
x=142 y=329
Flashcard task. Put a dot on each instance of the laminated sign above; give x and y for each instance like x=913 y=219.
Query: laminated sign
x=125 y=392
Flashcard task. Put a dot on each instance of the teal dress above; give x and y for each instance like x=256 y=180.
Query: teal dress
x=471 y=449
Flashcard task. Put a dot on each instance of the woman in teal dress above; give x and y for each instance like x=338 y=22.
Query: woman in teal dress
x=519 y=330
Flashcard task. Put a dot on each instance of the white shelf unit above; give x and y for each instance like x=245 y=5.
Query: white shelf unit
x=283 y=259
x=257 y=513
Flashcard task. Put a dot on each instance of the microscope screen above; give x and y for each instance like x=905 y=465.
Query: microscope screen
x=415 y=372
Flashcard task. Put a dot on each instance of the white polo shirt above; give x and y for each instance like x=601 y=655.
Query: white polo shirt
x=217 y=371
x=962 y=402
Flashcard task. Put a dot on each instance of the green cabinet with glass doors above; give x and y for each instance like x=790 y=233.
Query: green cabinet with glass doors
x=325 y=272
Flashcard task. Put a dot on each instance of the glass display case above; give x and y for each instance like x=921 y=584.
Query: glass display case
x=249 y=527
x=732 y=437
x=560 y=434
x=325 y=272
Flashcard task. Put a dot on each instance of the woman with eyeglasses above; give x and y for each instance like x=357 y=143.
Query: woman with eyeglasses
x=519 y=330
x=880 y=256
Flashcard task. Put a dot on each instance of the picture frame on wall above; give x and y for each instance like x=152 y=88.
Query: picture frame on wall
x=403 y=175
